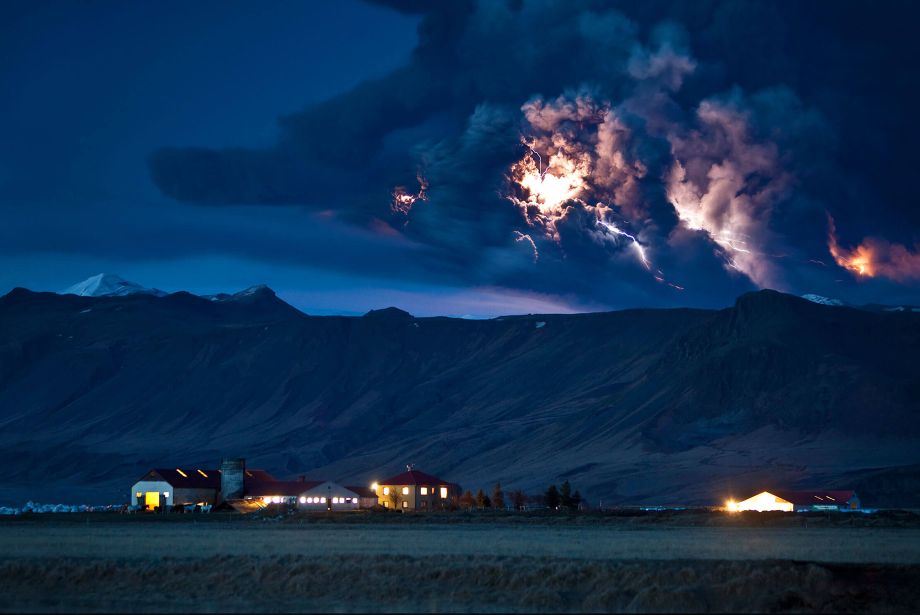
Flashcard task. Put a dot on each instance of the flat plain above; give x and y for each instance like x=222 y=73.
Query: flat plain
x=698 y=563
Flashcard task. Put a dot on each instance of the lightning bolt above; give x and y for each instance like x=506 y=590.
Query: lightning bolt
x=618 y=232
x=519 y=236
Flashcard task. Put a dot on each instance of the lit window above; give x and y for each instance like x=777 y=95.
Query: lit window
x=405 y=491
x=267 y=499
x=184 y=475
x=424 y=490
x=386 y=491
x=323 y=500
x=276 y=499
x=166 y=494
x=405 y=504
x=303 y=500
x=386 y=504
x=139 y=493
x=336 y=500
x=443 y=493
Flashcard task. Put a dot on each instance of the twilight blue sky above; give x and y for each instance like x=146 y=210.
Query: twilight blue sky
x=210 y=146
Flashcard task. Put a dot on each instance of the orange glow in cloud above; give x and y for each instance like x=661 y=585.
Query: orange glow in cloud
x=549 y=188
x=875 y=257
x=403 y=200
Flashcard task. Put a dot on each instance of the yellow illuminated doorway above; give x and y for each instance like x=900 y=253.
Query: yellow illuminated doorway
x=152 y=499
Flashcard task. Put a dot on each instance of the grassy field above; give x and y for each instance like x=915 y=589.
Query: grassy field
x=395 y=563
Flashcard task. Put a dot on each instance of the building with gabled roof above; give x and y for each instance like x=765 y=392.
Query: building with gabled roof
x=416 y=490
x=798 y=501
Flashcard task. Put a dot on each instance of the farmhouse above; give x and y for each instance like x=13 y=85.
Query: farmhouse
x=798 y=501
x=415 y=490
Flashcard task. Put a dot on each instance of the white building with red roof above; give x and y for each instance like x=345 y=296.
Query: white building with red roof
x=416 y=490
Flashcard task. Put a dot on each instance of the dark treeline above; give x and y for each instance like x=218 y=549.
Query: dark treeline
x=554 y=498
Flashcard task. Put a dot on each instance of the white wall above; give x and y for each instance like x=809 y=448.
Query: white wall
x=152 y=485
x=348 y=500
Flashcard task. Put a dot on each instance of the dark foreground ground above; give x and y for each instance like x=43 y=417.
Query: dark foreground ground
x=697 y=562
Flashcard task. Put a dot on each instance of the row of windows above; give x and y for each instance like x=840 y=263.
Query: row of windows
x=423 y=490
x=322 y=500
x=277 y=499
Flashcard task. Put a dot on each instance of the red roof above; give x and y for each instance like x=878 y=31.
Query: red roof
x=414 y=477
x=820 y=498
x=195 y=478
x=258 y=475
x=280 y=487
x=190 y=478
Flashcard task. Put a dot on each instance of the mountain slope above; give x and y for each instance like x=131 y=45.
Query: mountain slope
x=109 y=285
x=632 y=406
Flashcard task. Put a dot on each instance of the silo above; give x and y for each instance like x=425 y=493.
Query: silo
x=232 y=472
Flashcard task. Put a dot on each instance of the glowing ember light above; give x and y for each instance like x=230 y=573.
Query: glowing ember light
x=875 y=257
x=403 y=200
x=859 y=260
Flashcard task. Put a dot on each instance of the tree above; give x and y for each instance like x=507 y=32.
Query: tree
x=576 y=500
x=498 y=497
x=394 y=499
x=551 y=497
x=565 y=495
x=467 y=500
x=518 y=499
x=480 y=499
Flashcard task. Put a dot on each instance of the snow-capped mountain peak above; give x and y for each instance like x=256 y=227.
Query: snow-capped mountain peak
x=109 y=285
x=822 y=300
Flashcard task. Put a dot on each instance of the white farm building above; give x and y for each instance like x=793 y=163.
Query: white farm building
x=165 y=488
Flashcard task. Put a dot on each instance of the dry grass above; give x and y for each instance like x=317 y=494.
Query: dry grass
x=437 y=583
x=262 y=566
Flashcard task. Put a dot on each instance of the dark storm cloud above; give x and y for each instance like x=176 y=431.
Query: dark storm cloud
x=735 y=127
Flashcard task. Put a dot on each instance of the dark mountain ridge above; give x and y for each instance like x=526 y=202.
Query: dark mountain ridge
x=635 y=406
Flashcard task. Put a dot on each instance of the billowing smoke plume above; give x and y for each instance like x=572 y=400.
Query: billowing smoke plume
x=727 y=184
x=581 y=148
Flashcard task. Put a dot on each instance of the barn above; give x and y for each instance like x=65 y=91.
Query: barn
x=799 y=501
x=167 y=487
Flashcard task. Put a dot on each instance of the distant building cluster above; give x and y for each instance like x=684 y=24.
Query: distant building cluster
x=246 y=490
